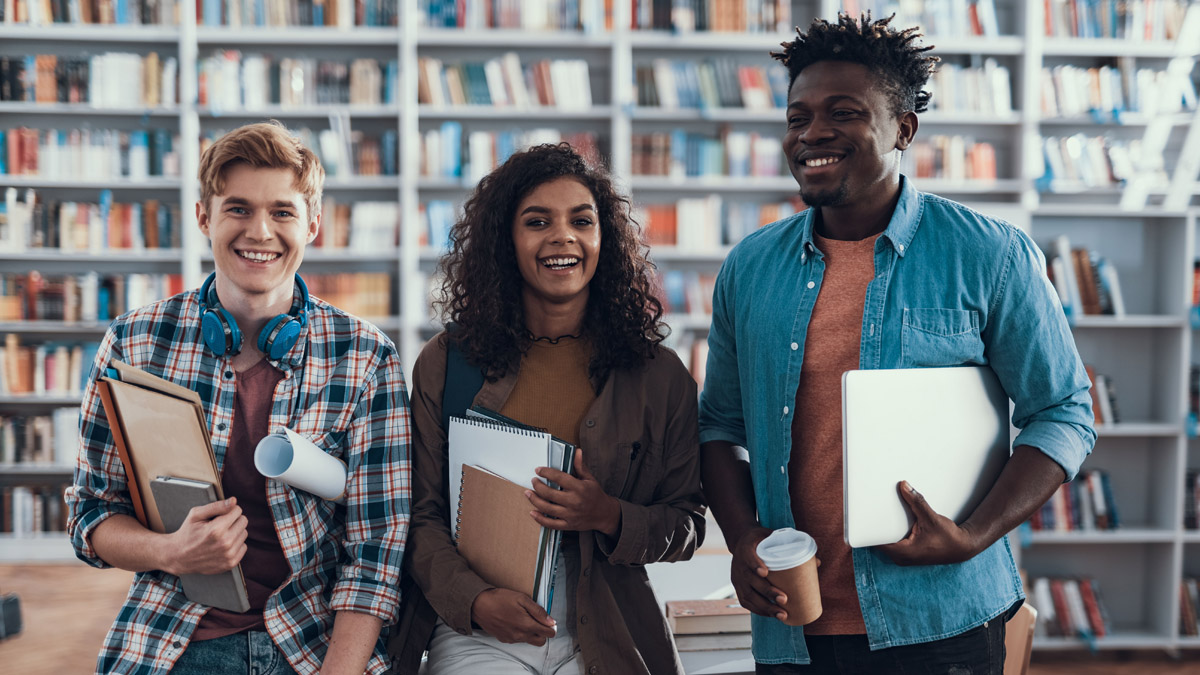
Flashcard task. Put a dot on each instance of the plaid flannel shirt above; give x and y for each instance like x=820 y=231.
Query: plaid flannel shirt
x=342 y=387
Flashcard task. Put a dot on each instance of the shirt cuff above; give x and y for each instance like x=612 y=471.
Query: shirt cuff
x=629 y=547
x=81 y=539
x=367 y=597
x=465 y=591
x=707 y=435
x=1059 y=441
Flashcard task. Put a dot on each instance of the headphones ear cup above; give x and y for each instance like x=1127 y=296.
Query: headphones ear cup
x=279 y=336
x=220 y=331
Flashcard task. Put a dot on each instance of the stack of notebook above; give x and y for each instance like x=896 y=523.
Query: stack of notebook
x=492 y=461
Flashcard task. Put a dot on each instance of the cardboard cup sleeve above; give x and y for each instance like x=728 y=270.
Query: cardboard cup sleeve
x=293 y=459
x=791 y=559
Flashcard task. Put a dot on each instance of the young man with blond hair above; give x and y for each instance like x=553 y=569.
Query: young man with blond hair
x=322 y=577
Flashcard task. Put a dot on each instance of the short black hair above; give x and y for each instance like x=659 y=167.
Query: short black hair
x=902 y=67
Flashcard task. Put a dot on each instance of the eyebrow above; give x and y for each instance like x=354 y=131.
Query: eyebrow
x=829 y=100
x=534 y=208
x=279 y=203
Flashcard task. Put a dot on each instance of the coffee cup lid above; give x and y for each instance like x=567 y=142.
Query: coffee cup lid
x=786 y=548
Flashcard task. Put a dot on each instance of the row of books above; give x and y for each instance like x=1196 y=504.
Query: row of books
x=1150 y=20
x=1069 y=607
x=108 y=80
x=503 y=81
x=937 y=18
x=1080 y=162
x=1191 y=488
x=986 y=89
x=363 y=294
x=1085 y=504
x=685 y=291
x=129 y=12
x=89 y=154
x=54 y=368
x=672 y=84
x=84 y=297
x=448 y=153
x=27 y=509
x=587 y=16
x=229 y=80
x=1107 y=93
x=679 y=153
x=1087 y=283
x=360 y=227
x=1189 y=607
x=40 y=439
x=1104 y=398
x=31 y=223
x=343 y=152
x=278 y=13
x=955 y=158
x=708 y=222
x=692 y=350
x=686 y=16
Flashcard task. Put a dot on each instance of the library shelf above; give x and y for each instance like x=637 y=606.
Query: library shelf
x=40 y=400
x=677 y=255
x=955 y=117
x=731 y=115
x=335 y=256
x=1128 y=321
x=1130 y=119
x=50 y=255
x=1004 y=45
x=783 y=185
x=42 y=547
x=1191 y=536
x=1140 y=429
x=708 y=41
x=18 y=107
x=1111 y=47
x=1124 y=535
x=1118 y=639
x=90 y=328
x=298 y=35
x=300 y=112
x=538 y=113
x=33 y=471
x=363 y=183
x=437 y=37
x=152 y=183
x=689 y=322
x=90 y=33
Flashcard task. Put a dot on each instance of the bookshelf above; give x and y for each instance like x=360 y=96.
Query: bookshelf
x=1145 y=227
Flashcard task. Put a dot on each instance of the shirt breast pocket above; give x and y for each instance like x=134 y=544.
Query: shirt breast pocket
x=637 y=471
x=934 y=337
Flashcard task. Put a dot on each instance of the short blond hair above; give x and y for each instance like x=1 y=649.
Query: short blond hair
x=266 y=145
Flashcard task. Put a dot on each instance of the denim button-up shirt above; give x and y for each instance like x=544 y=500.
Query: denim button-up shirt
x=952 y=287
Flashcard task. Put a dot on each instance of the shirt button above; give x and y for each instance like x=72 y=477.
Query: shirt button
x=795 y=346
x=590 y=423
x=593 y=670
x=583 y=619
x=803 y=257
x=785 y=410
x=177 y=644
x=587 y=571
x=811 y=284
x=221 y=426
x=901 y=247
x=229 y=374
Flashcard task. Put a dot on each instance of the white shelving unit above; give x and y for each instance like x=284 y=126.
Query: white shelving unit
x=1147 y=352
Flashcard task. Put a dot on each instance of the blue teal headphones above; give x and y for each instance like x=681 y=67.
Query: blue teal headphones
x=222 y=335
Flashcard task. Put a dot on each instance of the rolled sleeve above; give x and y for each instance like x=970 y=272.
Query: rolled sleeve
x=378 y=496
x=721 y=417
x=1030 y=347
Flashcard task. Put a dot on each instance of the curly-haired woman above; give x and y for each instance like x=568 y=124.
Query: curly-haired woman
x=550 y=293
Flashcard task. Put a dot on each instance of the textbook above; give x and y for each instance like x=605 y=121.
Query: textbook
x=513 y=451
x=159 y=429
x=175 y=497
x=693 y=617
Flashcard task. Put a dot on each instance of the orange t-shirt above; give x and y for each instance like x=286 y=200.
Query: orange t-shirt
x=815 y=469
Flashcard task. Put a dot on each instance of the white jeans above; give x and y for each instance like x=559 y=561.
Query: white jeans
x=454 y=654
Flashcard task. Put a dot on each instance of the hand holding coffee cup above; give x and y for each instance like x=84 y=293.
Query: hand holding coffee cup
x=791 y=559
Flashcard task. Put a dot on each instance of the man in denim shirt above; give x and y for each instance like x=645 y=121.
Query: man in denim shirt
x=877 y=275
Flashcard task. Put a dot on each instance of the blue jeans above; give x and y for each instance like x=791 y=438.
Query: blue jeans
x=979 y=651
x=249 y=653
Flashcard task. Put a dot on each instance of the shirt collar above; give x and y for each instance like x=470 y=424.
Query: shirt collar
x=900 y=230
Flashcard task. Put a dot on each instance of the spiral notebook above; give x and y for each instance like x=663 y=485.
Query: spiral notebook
x=514 y=452
x=504 y=546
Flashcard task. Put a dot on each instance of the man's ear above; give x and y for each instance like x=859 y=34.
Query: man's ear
x=906 y=129
x=313 y=228
x=202 y=218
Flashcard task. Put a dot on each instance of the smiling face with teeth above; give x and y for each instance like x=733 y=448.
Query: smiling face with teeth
x=843 y=139
x=258 y=229
x=556 y=237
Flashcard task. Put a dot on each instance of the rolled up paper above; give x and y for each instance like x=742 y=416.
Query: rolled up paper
x=293 y=459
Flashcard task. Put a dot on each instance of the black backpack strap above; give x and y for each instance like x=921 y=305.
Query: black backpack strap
x=463 y=382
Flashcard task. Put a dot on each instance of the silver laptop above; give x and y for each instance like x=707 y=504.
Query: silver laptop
x=944 y=430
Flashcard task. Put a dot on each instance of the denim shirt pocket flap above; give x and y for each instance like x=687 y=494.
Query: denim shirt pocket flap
x=936 y=337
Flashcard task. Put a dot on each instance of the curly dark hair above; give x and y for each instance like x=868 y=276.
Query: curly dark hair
x=902 y=68
x=481 y=289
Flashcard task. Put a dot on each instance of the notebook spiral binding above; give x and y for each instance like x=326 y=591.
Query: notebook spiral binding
x=477 y=422
x=458 y=516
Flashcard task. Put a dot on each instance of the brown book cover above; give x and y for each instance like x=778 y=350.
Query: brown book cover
x=159 y=429
x=496 y=534
x=691 y=617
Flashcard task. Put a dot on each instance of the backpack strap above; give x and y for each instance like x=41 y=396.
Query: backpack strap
x=463 y=382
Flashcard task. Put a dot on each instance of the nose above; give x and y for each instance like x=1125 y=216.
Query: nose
x=259 y=227
x=561 y=232
x=816 y=131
